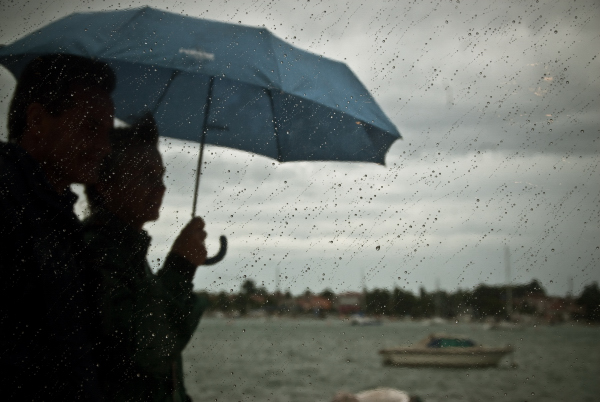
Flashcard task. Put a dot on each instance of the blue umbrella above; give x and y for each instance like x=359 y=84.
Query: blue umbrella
x=222 y=84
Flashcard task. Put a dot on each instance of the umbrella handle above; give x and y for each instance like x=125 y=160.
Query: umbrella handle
x=221 y=254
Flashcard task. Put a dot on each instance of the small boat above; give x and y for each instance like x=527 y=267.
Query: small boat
x=359 y=319
x=376 y=395
x=441 y=350
x=502 y=325
x=434 y=321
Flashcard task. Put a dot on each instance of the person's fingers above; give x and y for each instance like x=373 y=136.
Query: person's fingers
x=190 y=242
x=197 y=222
x=197 y=226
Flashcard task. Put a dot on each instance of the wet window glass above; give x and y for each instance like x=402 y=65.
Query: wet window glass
x=304 y=201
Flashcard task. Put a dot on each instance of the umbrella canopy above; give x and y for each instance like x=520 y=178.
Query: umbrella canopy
x=222 y=84
x=242 y=87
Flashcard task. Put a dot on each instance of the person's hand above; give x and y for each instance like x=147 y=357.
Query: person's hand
x=190 y=242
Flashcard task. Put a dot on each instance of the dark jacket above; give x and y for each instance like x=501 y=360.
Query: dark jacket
x=147 y=319
x=45 y=317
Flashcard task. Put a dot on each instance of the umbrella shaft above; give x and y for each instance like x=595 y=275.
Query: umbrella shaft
x=202 y=140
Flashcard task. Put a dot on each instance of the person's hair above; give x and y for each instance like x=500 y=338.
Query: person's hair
x=49 y=80
x=141 y=136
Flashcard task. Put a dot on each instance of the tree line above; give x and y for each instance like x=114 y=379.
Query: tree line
x=480 y=302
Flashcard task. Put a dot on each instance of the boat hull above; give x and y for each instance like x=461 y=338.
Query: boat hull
x=444 y=357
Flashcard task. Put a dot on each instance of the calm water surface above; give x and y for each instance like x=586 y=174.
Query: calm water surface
x=311 y=360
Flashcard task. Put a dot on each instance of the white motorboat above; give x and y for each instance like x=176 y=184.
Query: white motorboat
x=376 y=395
x=358 y=319
x=440 y=350
x=502 y=325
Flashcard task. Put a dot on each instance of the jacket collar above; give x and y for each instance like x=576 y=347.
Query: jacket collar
x=35 y=178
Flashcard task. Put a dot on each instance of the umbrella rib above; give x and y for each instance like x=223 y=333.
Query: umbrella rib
x=202 y=140
x=275 y=131
x=174 y=74
x=271 y=37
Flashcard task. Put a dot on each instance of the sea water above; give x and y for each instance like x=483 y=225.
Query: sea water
x=311 y=360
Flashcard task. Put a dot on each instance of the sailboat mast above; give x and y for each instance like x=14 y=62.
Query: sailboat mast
x=570 y=294
x=509 y=304
x=363 y=282
x=437 y=301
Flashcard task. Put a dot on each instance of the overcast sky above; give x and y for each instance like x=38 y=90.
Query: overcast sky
x=498 y=104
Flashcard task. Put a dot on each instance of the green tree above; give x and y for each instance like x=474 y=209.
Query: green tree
x=533 y=288
x=378 y=301
x=457 y=303
x=488 y=301
x=424 y=306
x=403 y=303
x=240 y=303
x=249 y=287
x=590 y=300
x=327 y=294
x=221 y=302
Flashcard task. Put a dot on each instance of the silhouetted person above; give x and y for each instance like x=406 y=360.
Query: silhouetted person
x=59 y=121
x=147 y=319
